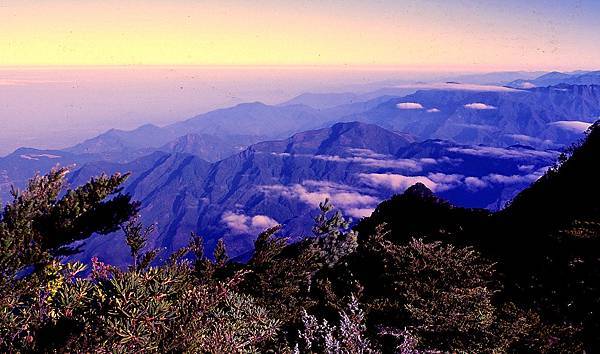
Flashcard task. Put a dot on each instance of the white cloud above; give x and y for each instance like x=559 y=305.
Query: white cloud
x=439 y=177
x=527 y=85
x=477 y=126
x=281 y=154
x=243 y=224
x=36 y=157
x=368 y=153
x=479 y=106
x=525 y=168
x=396 y=182
x=311 y=192
x=366 y=158
x=360 y=212
x=409 y=105
x=572 y=125
x=527 y=139
x=513 y=179
x=433 y=110
x=404 y=164
x=430 y=161
x=502 y=153
x=475 y=183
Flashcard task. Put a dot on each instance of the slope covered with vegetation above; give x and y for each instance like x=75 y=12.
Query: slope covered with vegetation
x=419 y=275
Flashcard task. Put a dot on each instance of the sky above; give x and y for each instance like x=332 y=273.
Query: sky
x=419 y=34
x=71 y=69
x=55 y=107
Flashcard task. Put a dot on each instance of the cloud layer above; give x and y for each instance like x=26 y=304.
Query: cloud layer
x=488 y=151
x=311 y=192
x=244 y=224
x=437 y=182
x=479 y=106
x=409 y=105
x=572 y=125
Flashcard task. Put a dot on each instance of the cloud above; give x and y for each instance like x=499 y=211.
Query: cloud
x=396 y=182
x=243 y=224
x=474 y=183
x=516 y=179
x=311 y=192
x=360 y=212
x=477 y=126
x=525 y=168
x=377 y=161
x=367 y=153
x=409 y=105
x=479 y=106
x=433 y=110
x=513 y=179
x=527 y=85
x=36 y=157
x=281 y=154
x=521 y=138
x=439 y=177
x=572 y=125
x=369 y=158
x=514 y=153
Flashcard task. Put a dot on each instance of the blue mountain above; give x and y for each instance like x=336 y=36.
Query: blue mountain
x=557 y=78
x=547 y=117
x=355 y=165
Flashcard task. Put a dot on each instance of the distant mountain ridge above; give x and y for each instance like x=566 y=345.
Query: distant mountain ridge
x=527 y=117
x=557 y=78
x=354 y=164
x=465 y=116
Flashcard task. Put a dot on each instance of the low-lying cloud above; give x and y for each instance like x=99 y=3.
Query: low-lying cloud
x=368 y=158
x=572 y=125
x=489 y=151
x=239 y=223
x=437 y=182
x=347 y=198
x=479 y=106
x=476 y=183
x=409 y=105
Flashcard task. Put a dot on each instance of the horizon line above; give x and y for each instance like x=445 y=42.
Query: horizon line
x=383 y=67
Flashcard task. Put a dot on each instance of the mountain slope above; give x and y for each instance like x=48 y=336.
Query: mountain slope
x=556 y=78
x=546 y=243
x=355 y=165
x=541 y=117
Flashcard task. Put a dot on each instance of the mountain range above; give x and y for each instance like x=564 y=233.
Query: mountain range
x=556 y=78
x=232 y=172
x=355 y=165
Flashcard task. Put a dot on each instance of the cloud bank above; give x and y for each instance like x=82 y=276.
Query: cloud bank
x=572 y=125
x=244 y=224
x=437 y=182
x=310 y=192
x=488 y=151
x=479 y=106
x=409 y=105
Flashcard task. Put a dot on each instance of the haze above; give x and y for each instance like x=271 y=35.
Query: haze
x=58 y=107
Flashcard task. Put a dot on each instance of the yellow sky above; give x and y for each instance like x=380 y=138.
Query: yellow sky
x=68 y=32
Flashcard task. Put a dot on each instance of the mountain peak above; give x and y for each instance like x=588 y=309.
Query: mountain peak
x=419 y=191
